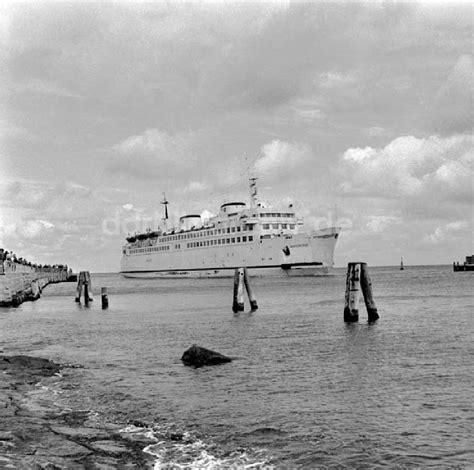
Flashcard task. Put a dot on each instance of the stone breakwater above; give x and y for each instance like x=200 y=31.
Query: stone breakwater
x=39 y=437
x=20 y=282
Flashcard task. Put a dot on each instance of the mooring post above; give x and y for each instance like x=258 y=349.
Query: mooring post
x=105 y=298
x=80 y=282
x=89 y=286
x=366 y=285
x=351 y=308
x=86 y=292
x=238 y=303
x=252 y=299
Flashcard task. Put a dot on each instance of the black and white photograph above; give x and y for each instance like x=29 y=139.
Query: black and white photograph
x=236 y=234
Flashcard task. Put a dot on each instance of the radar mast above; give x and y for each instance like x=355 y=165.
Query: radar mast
x=165 y=216
x=253 y=192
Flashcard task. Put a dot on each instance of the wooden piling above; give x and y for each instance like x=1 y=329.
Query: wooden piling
x=238 y=303
x=80 y=283
x=366 y=285
x=84 y=281
x=351 y=307
x=252 y=299
x=105 y=298
x=89 y=287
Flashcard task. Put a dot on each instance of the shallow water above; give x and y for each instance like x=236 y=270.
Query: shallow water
x=304 y=390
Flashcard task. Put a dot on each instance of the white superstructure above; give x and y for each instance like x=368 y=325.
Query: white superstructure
x=265 y=240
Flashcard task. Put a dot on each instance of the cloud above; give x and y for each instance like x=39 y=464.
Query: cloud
x=375 y=131
x=206 y=215
x=9 y=130
x=333 y=79
x=195 y=186
x=453 y=110
x=45 y=87
x=32 y=209
x=449 y=231
x=379 y=223
x=152 y=153
x=280 y=158
x=410 y=166
x=177 y=92
x=55 y=222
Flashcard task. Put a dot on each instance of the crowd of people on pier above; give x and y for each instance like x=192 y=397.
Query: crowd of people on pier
x=9 y=262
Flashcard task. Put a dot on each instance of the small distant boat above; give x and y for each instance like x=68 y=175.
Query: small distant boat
x=401 y=265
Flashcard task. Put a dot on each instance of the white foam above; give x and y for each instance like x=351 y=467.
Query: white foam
x=190 y=452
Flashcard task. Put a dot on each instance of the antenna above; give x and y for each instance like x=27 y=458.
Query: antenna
x=252 y=185
x=253 y=191
x=247 y=167
x=165 y=203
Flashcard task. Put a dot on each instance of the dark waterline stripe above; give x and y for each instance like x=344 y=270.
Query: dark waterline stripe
x=282 y=266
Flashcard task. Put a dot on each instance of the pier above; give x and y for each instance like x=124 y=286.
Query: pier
x=21 y=280
x=468 y=264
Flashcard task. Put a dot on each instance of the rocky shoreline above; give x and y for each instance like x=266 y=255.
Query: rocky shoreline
x=34 y=437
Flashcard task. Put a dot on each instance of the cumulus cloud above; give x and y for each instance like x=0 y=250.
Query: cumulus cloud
x=46 y=212
x=9 y=130
x=46 y=87
x=150 y=141
x=333 y=79
x=410 y=166
x=183 y=89
x=378 y=223
x=375 y=131
x=453 y=105
x=195 y=186
x=30 y=228
x=206 y=215
x=149 y=154
x=447 y=231
x=279 y=158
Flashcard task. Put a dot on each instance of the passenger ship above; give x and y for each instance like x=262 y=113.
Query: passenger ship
x=265 y=240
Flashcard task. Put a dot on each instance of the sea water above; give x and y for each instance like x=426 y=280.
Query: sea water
x=305 y=390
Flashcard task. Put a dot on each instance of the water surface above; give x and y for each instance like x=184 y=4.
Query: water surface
x=305 y=389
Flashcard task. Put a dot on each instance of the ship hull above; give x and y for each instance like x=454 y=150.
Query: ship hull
x=302 y=255
x=276 y=271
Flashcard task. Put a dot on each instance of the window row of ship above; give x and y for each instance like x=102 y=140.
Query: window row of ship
x=276 y=214
x=207 y=233
x=213 y=242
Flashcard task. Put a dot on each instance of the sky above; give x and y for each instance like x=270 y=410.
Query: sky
x=360 y=114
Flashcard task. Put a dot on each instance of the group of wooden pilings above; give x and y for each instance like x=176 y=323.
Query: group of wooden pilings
x=241 y=279
x=84 y=281
x=358 y=277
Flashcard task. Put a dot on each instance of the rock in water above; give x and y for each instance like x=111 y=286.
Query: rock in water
x=197 y=356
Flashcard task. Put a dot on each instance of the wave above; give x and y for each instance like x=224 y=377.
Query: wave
x=174 y=448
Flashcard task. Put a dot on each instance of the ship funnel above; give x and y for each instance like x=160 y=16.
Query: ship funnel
x=231 y=208
x=187 y=222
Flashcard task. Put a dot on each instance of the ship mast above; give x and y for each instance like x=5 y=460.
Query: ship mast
x=253 y=192
x=252 y=185
x=165 y=217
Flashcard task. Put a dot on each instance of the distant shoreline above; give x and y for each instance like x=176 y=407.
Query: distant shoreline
x=397 y=266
